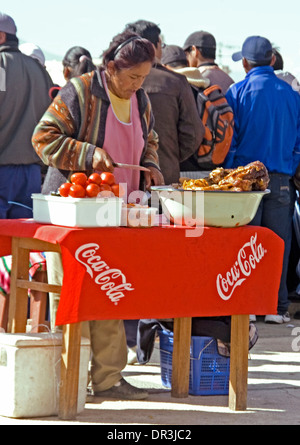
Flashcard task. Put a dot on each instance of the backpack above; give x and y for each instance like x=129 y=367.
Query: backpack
x=217 y=118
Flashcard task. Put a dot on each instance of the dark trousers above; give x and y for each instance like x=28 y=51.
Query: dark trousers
x=276 y=213
x=131 y=327
x=17 y=183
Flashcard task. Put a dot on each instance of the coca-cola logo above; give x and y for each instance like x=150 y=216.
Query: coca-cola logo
x=111 y=281
x=249 y=256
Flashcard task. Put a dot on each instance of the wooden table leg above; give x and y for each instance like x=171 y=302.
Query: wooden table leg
x=18 y=299
x=70 y=359
x=181 y=357
x=239 y=362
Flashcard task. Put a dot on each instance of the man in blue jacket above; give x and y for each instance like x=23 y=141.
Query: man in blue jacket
x=267 y=129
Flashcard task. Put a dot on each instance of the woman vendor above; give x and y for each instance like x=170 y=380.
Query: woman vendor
x=97 y=119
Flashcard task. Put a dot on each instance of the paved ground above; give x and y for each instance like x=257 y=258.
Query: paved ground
x=273 y=392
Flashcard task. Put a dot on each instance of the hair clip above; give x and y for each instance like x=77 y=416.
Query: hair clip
x=83 y=58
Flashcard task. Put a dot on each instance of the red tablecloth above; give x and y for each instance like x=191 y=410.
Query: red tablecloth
x=126 y=273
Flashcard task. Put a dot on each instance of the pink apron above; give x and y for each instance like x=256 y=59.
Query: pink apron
x=124 y=142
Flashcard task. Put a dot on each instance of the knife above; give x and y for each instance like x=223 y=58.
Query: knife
x=131 y=166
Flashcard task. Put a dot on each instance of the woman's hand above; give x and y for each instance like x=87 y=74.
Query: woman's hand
x=154 y=177
x=102 y=161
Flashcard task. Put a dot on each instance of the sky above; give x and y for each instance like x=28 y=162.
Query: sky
x=60 y=24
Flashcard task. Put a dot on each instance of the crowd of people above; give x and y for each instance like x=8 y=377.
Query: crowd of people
x=139 y=107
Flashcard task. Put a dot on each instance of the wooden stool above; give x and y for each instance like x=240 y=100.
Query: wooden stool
x=17 y=314
x=37 y=310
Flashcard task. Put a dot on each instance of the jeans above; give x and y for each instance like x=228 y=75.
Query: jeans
x=276 y=213
x=17 y=183
x=131 y=327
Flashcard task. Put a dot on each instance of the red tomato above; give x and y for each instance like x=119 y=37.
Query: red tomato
x=77 y=191
x=64 y=189
x=117 y=190
x=107 y=178
x=79 y=178
x=104 y=187
x=94 y=178
x=105 y=191
x=92 y=190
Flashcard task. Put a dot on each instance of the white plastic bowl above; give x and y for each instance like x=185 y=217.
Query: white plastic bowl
x=209 y=208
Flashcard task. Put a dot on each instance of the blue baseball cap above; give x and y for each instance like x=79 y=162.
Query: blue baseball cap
x=255 y=49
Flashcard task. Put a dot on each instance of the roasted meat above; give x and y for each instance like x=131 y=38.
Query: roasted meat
x=253 y=176
x=218 y=174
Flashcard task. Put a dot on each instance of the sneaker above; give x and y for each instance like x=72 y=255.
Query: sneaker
x=131 y=356
x=89 y=395
x=253 y=335
x=252 y=318
x=286 y=317
x=224 y=348
x=278 y=319
x=123 y=391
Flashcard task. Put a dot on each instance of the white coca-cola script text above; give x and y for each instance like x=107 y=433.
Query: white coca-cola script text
x=111 y=281
x=249 y=256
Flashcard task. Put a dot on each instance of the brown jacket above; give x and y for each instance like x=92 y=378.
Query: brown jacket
x=177 y=123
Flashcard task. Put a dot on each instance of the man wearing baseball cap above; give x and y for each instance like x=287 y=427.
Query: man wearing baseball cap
x=200 y=48
x=24 y=86
x=267 y=128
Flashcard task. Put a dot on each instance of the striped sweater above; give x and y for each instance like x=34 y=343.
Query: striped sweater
x=74 y=125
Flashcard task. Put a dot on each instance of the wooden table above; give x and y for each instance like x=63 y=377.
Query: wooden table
x=20 y=248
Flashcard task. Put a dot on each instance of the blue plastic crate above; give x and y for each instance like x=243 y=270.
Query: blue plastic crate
x=209 y=371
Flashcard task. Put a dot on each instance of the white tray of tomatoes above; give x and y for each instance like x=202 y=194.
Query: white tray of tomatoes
x=81 y=204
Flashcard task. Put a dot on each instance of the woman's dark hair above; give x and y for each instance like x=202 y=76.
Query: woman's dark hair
x=127 y=50
x=278 y=65
x=79 y=60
